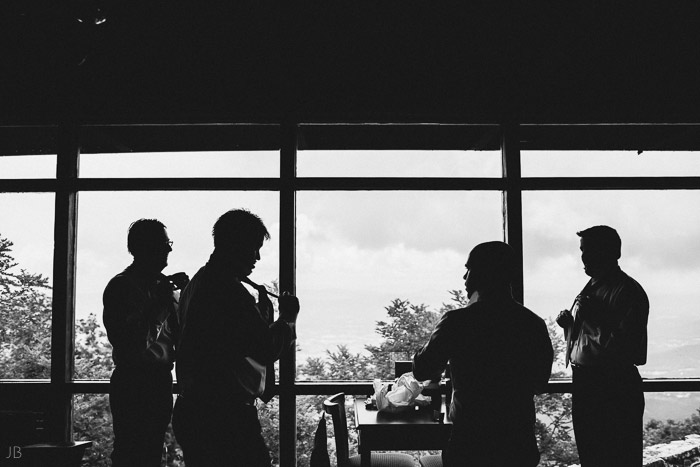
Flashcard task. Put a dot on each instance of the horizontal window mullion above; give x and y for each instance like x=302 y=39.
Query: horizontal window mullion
x=610 y=183
x=171 y=184
x=16 y=185
x=398 y=184
x=365 y=387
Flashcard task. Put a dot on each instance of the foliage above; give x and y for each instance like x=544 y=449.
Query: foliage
x=553 y=427
x=661 y=432
x=409 y=327
x=25 y=321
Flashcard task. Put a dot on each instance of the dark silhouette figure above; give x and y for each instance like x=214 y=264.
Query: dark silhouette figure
x=227 y=348
x=141 y=321
x=606 y=332
x=500 y=356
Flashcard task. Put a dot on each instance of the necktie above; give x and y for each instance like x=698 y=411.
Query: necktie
x=269 y=391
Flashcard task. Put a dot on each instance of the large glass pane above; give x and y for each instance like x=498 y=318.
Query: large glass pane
x=29 y=166
x=659 y=231
x=609 y=163
x=370 y=257
x=102 y=253
x=181 y=164
x=26 y=265
x=399 y=163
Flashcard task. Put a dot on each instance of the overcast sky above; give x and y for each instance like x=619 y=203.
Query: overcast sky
x=356 y=251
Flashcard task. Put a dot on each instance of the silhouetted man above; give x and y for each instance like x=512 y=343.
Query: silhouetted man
x=606 y=332
x=500 y=356
x=141 y=321
x=228 y=345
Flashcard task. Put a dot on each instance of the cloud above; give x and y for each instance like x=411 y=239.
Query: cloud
x=658 y=228
x=425 y=221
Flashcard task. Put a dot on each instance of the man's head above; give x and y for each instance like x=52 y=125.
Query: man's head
x=491 y=267
x=149 y=244
x=238 y=237
x=601 y=247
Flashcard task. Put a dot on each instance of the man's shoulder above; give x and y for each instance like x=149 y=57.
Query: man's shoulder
x=211 y=287
x=632 y=289
x=535 y=320
x=473 y=312
x=629 y=281
x=121 y=281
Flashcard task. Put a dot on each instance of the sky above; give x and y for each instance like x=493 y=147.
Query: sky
x=357 y=251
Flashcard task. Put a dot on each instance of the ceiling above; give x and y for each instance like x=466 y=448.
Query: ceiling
x=355 y=61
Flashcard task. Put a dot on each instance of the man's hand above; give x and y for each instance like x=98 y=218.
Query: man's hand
x=289 y=307
x=565 y=320
x=179 y=280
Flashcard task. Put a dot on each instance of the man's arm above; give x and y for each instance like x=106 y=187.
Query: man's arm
x=125 y=321
x=544 y=358
x=253 y=336
x=629 y=338
x=430 y=361
x=283 y=331
x=162 y=349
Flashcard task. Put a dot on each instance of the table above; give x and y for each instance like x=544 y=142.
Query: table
x=406 y=431
x=54 y=454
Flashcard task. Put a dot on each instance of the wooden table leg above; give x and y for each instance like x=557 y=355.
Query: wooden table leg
x=365 y=454
x=366 y=458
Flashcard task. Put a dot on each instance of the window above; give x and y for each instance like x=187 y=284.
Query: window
x=354 y=163
x=189 y=217
x=659 y=231
x=609 y=163
x=26 y=267
x=178 y=165
x=361 y=252
x=385 y=216
x=28 y=166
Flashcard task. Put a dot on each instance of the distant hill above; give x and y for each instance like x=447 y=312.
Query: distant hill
x=670 y=406
x=681 y=361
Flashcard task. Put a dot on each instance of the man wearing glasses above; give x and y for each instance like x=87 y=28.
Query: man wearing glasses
x=141 y=321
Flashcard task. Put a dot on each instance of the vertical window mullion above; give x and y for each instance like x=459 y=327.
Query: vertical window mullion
x=287 y=401
x=513 y=200
x=63 y=307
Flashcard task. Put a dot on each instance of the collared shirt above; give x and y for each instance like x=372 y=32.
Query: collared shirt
x=610 y=328
x=226 y=342
x=140 y=318
x=500 y=355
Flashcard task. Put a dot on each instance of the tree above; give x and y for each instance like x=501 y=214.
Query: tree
x=408 y=328
x=25 y=321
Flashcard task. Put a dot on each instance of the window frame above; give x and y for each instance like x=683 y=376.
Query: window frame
x=510 y=138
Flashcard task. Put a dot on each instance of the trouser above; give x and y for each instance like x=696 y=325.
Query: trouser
x=608 y=406
x=141 y=402
x=216 y=434
x=484 y=446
